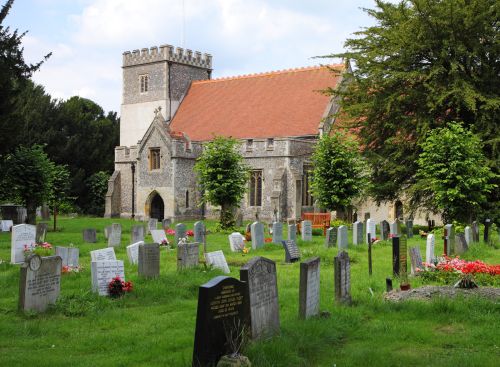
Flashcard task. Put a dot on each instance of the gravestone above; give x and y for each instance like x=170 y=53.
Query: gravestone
x=409 y=228
x=342 y=238
x=152 y=224
x=309 y=288
x=292 y=232
x=70 y=256
x=180 y=232
x=103 y=272
x=486 y=235
x=398 y=226
x=342 y=275
x=429 y=249
x=217 y=260
x=394 y=229
x=23 y=235
x=460 y=244
x=416 y=260
x=260 y=275
x=357 y=233
x=115 y=235
x=133 y=252
x=306 y=228
x=388 y=284
x=159 y=236
x=222 y=310
x=6 y=225
x=39 y=283
x=188 y=255
x=370 y=244
x=277 y=232
x=41 y=232
x=449 y=239
x=468 y=235
x=107 y=230
x=395 y=256
x=105 y=254
x=475 y=231
x=371 y=229
x=89 y=235
x=136 y=233
x=292 y=252
x=236 y=242
x=384 y=230
x=257 y=232
x=166 y=223
x=149 y=260
x=331 y=237
x=199 y=232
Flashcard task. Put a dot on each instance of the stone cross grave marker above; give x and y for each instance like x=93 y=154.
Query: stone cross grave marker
x=103 y=272
x=468 y=235
x=357 y=233
x=342 y=270
x=115 y=236
x=107 y=230
x=331 y=237
x=180 y=232
x=292 y=232
x=70 y=256
x=222 y=310
x=136 y=233
x=166 y=223
x=384 y=230
x=409 y=228
x=277 y=232
x=292 y=252
x=41 y=232
x=257 y=232
x=39 y=283
x=22 y=235
x=449 y=239
x=152 y=224
x=217 y=260
x=159 y=236
x=188 y=255
x=416 y=260
x=371 y=228
x=6 y=225
x=105 y=254
x=394 y=229
x=89 y=235
x=133 y=252
x=199 y=232
x=429 y=249
x=475 y=231
x=149 y=260
x=342 y=237
x=260 y=275
x=460 y=244
x=236 y=242
x=306 y=230
x=309 y=288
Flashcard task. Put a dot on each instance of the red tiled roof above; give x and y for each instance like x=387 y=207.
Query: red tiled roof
x=276 y=104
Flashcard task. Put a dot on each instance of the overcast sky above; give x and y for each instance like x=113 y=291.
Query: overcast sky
x=87 y=37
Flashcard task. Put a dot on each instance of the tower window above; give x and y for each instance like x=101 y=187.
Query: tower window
x=144 y=83
x=154 y=158
x=249 y=144
x=255 y=188
x=270 y=144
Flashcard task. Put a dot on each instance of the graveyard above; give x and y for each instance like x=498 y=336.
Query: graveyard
x=155 y=323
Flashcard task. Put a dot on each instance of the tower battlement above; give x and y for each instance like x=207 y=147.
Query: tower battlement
x=167 y=53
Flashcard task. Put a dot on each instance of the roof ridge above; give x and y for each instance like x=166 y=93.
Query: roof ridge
x=268 y=73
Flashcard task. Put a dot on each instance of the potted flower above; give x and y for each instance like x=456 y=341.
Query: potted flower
x=117 y=287
x=40 y=249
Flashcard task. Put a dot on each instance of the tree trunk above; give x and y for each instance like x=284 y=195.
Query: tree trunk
x=226 y=216
x=30 y=214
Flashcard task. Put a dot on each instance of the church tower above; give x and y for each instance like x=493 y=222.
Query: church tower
x=156 y=77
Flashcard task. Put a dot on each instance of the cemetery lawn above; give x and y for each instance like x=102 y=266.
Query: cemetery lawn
x=154 y=325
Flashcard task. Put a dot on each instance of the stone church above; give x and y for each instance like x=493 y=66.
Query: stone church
x=171 y=106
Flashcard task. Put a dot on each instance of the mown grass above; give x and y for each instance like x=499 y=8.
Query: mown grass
x=154 y=325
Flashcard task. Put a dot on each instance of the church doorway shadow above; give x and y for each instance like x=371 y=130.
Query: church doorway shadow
x=156 y=206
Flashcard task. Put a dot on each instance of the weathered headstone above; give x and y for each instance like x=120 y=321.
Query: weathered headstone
x=416 y=260
x=292 y=232
x=449 y=239
x=257 y=231
x=342 y=274
x=217 y=260
x=180 y=232
x=103 y=272
x=23 y=236
x=331 y=237
x=90 y=235
x=342 y=238
x=395 y=256
x=40 y=283
x=115 y=235
x=133 y=252
x=460 y=244
x=260 y=275
x=394 y=229
x=222 y=311
x=159 y=236
x=107 y=231
x=149 y=260
x=384 y=230
x=292 y=252
x=199 y=232
x=277 y=232
x=468 y=235
x=309 y=288
x=6 y=225
x=166 y=223
x=152 y=224
x=475 y=231
x=371 y=229
x=429 y=249
x=188 y=255
x=105 y=254
x=306 y=227
x=136 y=233
x=41 y=232
x=409 y=228
x=357 y=233
x=70 y=256
x=236 y=242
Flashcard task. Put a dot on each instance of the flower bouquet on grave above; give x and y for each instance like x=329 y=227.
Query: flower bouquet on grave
x=268 y=240
x=170 y=231
x=41 y=249
x=117 y=287
x=190 y=233
x=67 y=269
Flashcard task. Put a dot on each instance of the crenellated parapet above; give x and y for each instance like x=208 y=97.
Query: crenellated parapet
x=167 y=53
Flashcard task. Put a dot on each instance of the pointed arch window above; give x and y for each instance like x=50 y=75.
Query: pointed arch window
x=154 y=158
x=255 y=191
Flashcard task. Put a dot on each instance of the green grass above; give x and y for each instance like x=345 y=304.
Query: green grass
x=154 y=325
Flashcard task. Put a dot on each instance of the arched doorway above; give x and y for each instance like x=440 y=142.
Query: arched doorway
x=398 y=210
x=157 y=208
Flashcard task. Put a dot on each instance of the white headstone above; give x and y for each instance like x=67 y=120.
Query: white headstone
x=357 y=233
x=105 y=254
x=158 y=236
x=277 y=232
x=69 y=255
x=429 y=249
x=22 y=235
x=394 y=228
x=5 y=225
x=236 y=241
x=133 y=252
x=115 y=235
x=257 y=232
x=371 y=229
x=217 y=260
x=307 y=230
x=468 y=235
x=342 y=238
x=103 y=272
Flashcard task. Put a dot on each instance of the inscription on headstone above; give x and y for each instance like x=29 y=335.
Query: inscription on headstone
x=342 y=269
x=90 y=235
x=217 y=260
x=22 y=235
x=277 y=232
x=309 y=288
x=136 y=233
x=257 y=232
x=41 y=232
x=103 y=272
x=6 y=225
x=188 y=255
x=199 y=232
x=133 y=252
x=357 y=233
x=292 y=252
x=342 y=237
x=104 y=254
x=306 y=227
x=236 y=242
x=416 y=260
x=292 y=232
x=69 y=255
x=429 y=249
x=149 y=260
x=115 y=235
x=331 y=237
x=403 y=257
x=180 y=232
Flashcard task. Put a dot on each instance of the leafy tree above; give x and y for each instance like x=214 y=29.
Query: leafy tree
x=223 y=176
x=60 y=184
x=423 y=64
x=97 y=186
x=452 y=172
x=339 y=173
